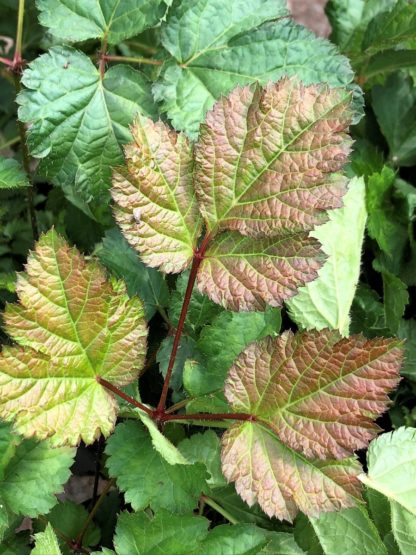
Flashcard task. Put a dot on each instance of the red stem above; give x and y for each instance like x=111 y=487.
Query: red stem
x=6 y=61
x=123 y=395
x=210 y=416
x=196 y=262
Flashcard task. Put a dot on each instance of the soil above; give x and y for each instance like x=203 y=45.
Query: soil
x=311 y=14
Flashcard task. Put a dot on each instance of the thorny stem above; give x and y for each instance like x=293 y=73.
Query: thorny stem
x=130 y=59
x=214 y=505
x=78 y=541
x=123 y=395
x=196 y=262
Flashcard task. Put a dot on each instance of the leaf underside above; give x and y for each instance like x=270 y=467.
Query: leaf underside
x=70 y=326
x=314 y=397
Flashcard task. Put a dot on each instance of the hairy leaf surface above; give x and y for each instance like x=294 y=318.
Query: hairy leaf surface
x=326 y=301
x=46 y=543
x=265 y=157
x=245 y=273
x=71 y=326
x=12 y=174
x=282 y=480
x=78 y=121
x=146 y=477
x=113 y=19
x=319 y=393
x=156 y=206
x=243 y=53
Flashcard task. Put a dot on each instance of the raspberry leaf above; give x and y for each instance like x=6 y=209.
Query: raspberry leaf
x=46 y=542
x=156 y=205
x=265 y=158
x=318 y=392
x=12 y=175
x=110 y=19
x=71 y=326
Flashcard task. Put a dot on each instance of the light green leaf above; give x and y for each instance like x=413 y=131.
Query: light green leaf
x=186 y=350
x=71 y=325
x=397 y=119
x=190 y=84
x=78 y=121
x=205 y=448
x=31 y=473
x=115 y=254
x=403 y=524
x=407 y=331
x=165 y=533
x=114 y=20
x=392 y=467
x=161 y=443
x=12 y=175
x=146 y=478
x=326 y=301
x=350 y=531
x=46 y=543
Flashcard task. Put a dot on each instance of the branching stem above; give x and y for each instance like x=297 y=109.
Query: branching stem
x=131 y=59
x=196 y=262
x=123 y=395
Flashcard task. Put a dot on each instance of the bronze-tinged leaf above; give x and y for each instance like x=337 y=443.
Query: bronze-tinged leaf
x=318 y=392
x=155 y=201
x=266 y=157
x=281 y=480
x=245 y=273
x=71 y=326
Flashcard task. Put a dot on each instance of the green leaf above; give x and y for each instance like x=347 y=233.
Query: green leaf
x=69 y=518
x=326 y=301
x=116 y=255
x=397 y=119
x=391 y=471
x=396 y=298
x=201 y=309
x=71 y=326
x=407 y=331
x=110 y=19
x=165 y=533
x=367 y=315
x=349 y=531
x=15 y=543
x=156 y=205
x=244 y=53
x=186 y=350
x=79 y=121
x=31 y=473
x=205 y=448
x=146 y=478
x=12 y=174
x=161 y=443
x=46 y=543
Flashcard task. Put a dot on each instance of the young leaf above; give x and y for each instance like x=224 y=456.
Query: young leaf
x=242 y=273
x=11 y=174
x=282 y=480
x=46 y=543
x=150 y=285
x=156 y=205
x=326 y=301
x=110 y=19
x=77 y=131
x=319 y=393
x=146 y=478
x=71 y=326
x=138 y=534
x=31 y=473
x=265 y=158
x=350 y=531
x=244 y=53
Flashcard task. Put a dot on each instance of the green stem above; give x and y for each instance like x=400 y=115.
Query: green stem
x=142 y=46
x=19 y=33
x=132 y=60
x=214 y=505
x=11 y=142
x=78 y=541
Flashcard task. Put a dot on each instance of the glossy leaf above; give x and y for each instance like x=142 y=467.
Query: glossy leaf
x=77 y=130
x=150 y=285
x=12 y=175
x=110 y=19
x=243 y=273
x=326 y=301
x=46 y=543
x=71 y=326
x=31 y=473
x=319 y=393
x=156 y=206
x=281 y=480
x=265 y=158
x=196 y=76
x=146 y=478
